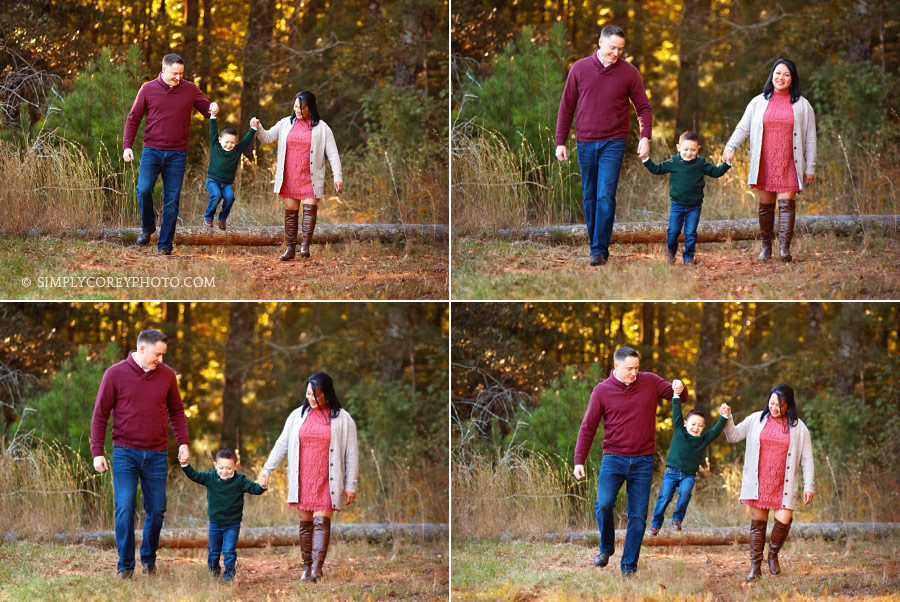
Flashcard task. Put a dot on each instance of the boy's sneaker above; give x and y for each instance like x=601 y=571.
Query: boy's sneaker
x=149 y=569
x=221 y=224
x=653 y=530
x=208 y=223
x=670 y=257
x=676 y=525
x=127 y=574
x=690 y=261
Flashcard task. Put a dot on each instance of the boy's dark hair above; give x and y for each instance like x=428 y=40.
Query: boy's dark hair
x=689 y=135
x=226 y=454
x=695 y=413
x=229 y=131
x=171 y=59
x=612 y=30
x=623 y=352
x=151 y=337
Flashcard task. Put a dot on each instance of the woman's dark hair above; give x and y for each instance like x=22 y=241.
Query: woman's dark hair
x=324 y=386
x=769 y=88
x=786 y=396
x=310 y=99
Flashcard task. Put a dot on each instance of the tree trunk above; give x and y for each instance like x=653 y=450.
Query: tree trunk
x=694 y=18
x=238 y=355
x=647 y=335
x=709 y=355
x=260 y=25
x=862 y=28
x=191 y=31
x=405 y=67
x=845 y=368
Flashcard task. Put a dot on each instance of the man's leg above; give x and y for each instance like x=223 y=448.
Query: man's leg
x=172 y=177
x=612 y=153
x=685 y=488
x=151 y=165
x=588 y=158
x=216 y=538
x=637 y=486
x=228 y=201
x=691 y=221
x=125 y=471
x=669 y=484
x=676 y=222
x=154 y=470
x=229 y=549
x=609 y=482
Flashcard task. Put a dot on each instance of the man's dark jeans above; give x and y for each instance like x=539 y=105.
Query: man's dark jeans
x=150 y=468
x=672 y=481
x=637 y=473
x=600 y=164
x=223 y=540
x=170 y=164
x=679 y=216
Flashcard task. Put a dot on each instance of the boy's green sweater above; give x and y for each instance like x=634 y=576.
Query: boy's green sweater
x=223 y=164
x=687 y=451
x=686 y=182
x=225 y=499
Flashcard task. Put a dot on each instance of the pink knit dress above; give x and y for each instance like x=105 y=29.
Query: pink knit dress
x=297 y=180
x=773 y=449
x=315 y=440
x=777 y=172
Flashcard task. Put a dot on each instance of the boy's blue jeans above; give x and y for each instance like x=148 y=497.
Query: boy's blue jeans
x=600 y=164
x=219 y=191
x=672 y=480
x=637 y=473
x=170 y=164
x=223 y=541
x=150 y=468
x=687 y=217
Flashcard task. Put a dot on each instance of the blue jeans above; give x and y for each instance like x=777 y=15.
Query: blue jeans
x=223 y=540
x=637 y=473
x=150 y=468
x=218 y=192
x=679 y=216
x=672 y=480
x=170 y=164
x=600 y=164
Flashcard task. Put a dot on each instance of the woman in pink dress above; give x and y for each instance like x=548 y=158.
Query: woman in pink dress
x=781 y=125
x=319 y=439
x=778 y=447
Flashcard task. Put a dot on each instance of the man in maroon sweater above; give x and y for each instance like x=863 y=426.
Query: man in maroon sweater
x=142 y=395
x=167 y=102
x=600 y=87
x=626 y=402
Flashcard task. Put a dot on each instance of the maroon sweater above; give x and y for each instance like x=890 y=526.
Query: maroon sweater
x=168 y=112
x=601 y=95
x=141 y=404
x=628 y=413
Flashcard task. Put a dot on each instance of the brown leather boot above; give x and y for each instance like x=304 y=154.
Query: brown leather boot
x=306 y=537
x=309 y=225
x=291 y=216
x=766 y=227
x=786 y=216
x=779 y=534
x=321 y=538
x=757 y=543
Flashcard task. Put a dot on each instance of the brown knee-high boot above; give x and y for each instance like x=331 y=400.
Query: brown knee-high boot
x=291 y=216
x=306 y=537
x=766 y=228
x=321 y=538
x=786 y=216
x=757 y=543
x=779 y=534
x=309 y=225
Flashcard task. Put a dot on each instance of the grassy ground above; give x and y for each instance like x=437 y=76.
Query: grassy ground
x=824 y=267
x=361 y=270
x=811 y=569
x=354 y=571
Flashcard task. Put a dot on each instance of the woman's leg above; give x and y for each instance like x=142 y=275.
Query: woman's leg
x=782 y=526
x=291 y=217
x=306 y=538
x=321 y=539
x=759 y=517
x=786 y=215
x=766 y=221
x=310 y=209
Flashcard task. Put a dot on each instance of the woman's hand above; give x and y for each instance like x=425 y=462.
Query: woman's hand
x=264 y=481
x=728 y=155
x=808 y=179
x=338 y=187
x=349 y=496
x=807 y=497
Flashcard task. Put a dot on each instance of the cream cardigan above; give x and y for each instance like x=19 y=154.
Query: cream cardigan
x=322 y=145
x=751 y=124
x=799 y=455
x=343 y=459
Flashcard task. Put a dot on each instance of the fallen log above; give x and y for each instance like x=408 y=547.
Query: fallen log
x=708 y=230
x=258 y=537
x=267 y=236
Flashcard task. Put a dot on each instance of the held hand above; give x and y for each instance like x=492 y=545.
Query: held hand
x=254 y=123
x=128 y=155
x=263 y=481
x=643 y=149
x=561 y=153
x=100 y=464
x=808 y=179
x=724 y=410
x=349 y=496
x=807 y=497
x=677 y=387
x=213 y=109
x=184 y=454
x=728 y=155
x=338 y=187
x=579 y=471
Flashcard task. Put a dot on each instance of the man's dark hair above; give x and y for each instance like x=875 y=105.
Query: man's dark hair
x=229 y=131
x=226 y=454
x=623 y=352
x=689 y=135
x=171 y=59
x=695 y=413
x=612 y=30
x=151 y=337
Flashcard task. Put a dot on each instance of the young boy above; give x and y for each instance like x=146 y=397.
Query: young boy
x=225 y=491
x=685 y=455
x=686 y=191
x=224 y=158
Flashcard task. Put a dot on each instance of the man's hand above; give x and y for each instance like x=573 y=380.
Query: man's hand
x=338 y=187
x=128 y=155
x=644 y=148
x=349 y=496
x=808 y=179
x=213 y=109
x=263 y=481
x=184 y=454
x=254 y=123
x=677 y=387
x=725 y=410
x=807 y=497
x=728 y=156
x=579 y=471
x=100 y=464
x=561 y=153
